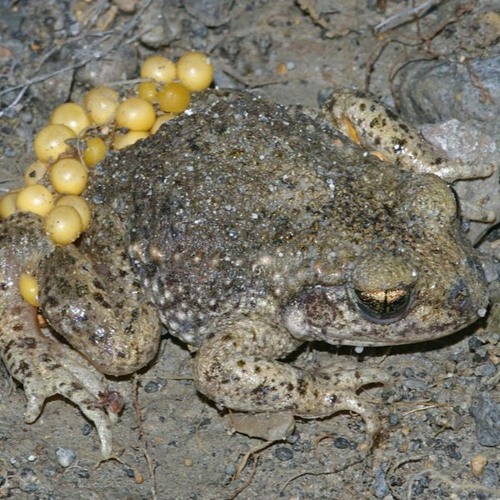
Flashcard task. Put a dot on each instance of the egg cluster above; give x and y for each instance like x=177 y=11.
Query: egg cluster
x=78 y=137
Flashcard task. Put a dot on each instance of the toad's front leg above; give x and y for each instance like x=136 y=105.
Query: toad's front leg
x=237 y=368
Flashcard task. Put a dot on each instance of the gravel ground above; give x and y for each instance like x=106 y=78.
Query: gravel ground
x=441 y=413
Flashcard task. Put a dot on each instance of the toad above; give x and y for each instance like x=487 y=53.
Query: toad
x=246 y=229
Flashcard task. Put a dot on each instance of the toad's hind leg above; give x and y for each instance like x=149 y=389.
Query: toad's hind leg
x=46 y=367
x=91 y=297
x=237 y=367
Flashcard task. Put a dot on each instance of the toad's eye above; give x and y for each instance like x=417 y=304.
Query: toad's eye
x=382 y=286
x=383 y=306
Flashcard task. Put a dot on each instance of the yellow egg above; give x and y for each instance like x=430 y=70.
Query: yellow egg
x=28 y=286
x=160 y=120
x=94 y=151
x=195 y=71
x=8 y=204
x=147 y=91
x=72 y=115
x=135 y=114
x=173 y=98
x=63 y=225
x=159 y=68
x=50 y=142
x=101 y=104
x=78 y=203
x=35 y=172
x=121 y=141
x=37 y=199
x=69 y=176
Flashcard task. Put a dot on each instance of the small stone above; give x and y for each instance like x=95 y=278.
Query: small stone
x=487 y=369
x=75 y=28
x=129 y=472
x=83 y=473
x=127 y=6
x=477 y=464
x=211 y=13
x=26 y=116
x=452 y=451
x=474 y=343
x=490 y=476
x=394 y=419
x=28 y=480
x=9 y=152
x=486 y=413
x=65 y=456
x=283 y=454
x=341 y=443
x=380 y=485
x=152 y=386
x=229 y=470
x=86 y=429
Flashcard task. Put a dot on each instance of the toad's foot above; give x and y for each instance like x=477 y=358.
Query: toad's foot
x=370 y=123
x=237 y=369
x=46 y=367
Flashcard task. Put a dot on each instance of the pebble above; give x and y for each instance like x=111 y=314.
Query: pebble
x=486 y=413
x=229 y=470
x=65 y=456
x=394 y=419
x=26 y=116
x=487 y=369
x=341 y=443
x=451 y=450
x=283 y=454
x=128 y=6
x=87 y=429
x=211 y=13
x=157 y=27
x=28 y=480
x=490 y=476
x=474 y=343
x=75 y=29
x=83 y=473
x=154 y=386
x=129 y=472
x=10 y=152
x=420 y=485
x=477 y=464
x=380 y=487
x=293 y=438
x=415 y=384
x=120 y=64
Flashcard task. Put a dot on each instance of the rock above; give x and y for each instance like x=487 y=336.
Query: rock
x=486 y=413
x=435 y=91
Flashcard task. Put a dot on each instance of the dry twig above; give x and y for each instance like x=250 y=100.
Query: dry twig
x=406 y=16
